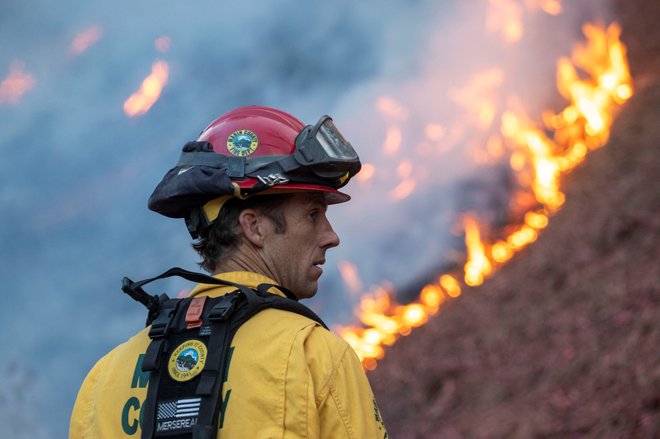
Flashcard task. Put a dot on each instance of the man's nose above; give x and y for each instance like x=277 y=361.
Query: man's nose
x=330 y=238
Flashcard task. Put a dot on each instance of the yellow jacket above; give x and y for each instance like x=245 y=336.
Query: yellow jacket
x=288 y=378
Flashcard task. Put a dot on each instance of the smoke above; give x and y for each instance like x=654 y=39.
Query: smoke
x=76 y=172
x=18 y=400
x=445 y=111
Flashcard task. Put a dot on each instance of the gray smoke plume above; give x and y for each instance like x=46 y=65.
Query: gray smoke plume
x=76 y=171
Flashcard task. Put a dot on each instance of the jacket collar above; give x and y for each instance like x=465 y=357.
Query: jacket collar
x=249 y=279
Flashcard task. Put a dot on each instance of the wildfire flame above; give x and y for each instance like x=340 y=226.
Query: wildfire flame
x=141 y=101
x=596 y=81
x=478 y=265
x=16 y=84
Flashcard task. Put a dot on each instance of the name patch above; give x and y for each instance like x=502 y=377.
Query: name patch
x=177 y=415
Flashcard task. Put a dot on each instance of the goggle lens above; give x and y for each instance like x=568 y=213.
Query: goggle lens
x=333 y=143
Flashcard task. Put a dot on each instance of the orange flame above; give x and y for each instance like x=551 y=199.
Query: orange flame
x=595 y=81
x=584 y=124
x=540 y=149
x=84 y=40
x=478 y=265
x=16 y=84
x=386 y=320
x=141 y=101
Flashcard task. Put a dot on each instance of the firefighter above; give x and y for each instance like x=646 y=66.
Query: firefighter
x=253 y=190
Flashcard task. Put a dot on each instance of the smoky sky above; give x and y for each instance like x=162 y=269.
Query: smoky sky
x=76 y=171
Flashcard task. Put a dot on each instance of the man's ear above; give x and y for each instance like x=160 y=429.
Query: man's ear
x=253 y=226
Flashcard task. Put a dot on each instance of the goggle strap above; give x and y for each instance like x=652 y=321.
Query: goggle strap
x=236 y=167
x=254 y=167
x=199 y=158
x=288 y=163
x=232 y=164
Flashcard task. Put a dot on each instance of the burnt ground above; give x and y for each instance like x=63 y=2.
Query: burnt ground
x=564 y=341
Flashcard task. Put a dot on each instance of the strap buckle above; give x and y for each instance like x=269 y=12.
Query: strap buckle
x=225 y=307
x=161 y=324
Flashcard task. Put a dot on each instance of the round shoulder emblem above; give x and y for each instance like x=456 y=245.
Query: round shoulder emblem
x=187 y=360
x=242 y=142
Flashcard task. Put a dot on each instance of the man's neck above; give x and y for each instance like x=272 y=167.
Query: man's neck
x=242 y=260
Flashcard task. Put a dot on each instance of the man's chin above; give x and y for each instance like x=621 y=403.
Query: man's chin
x=309 y=292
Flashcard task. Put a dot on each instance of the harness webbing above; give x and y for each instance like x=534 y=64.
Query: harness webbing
x=221 y=318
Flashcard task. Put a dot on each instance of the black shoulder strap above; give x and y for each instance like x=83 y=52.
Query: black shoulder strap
x=226 y=316
x=134 y=289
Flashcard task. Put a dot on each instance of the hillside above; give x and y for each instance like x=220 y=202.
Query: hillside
x=563 y=342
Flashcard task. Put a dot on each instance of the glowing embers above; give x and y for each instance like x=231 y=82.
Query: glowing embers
x=16 y=84
x=350 y=276
x=84 y=40
x=395 y=114
x=142 y=100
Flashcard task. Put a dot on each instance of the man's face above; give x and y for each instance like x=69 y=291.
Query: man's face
x=294 y=257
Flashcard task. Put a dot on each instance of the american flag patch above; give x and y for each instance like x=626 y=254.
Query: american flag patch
x=182 y=408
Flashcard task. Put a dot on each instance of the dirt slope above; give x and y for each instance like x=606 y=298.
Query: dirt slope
x=564 y=341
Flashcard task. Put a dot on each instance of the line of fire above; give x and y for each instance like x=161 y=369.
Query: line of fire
x=594 y=81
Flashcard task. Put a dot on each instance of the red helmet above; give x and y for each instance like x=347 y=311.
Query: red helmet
x=253 y=150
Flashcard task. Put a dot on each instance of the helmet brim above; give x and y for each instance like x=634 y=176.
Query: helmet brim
x=332 y=196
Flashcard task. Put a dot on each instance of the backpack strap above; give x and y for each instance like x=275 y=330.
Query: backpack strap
x=152 y=302
x=226 y=316
x=209 y=388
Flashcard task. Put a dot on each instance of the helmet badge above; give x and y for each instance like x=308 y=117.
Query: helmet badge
x=242 y=143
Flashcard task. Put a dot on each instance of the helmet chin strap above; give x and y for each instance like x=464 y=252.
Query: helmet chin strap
x=201 y=218
x=197 y=223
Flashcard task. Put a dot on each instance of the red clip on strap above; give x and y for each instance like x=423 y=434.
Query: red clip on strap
x=194 y=313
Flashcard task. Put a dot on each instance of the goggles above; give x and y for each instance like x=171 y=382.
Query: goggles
x=325 y=152
x=322 y=156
